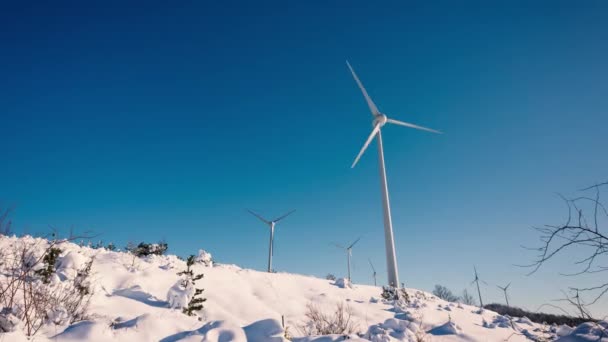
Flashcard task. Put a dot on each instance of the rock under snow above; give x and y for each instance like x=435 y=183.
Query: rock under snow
x=343 y=283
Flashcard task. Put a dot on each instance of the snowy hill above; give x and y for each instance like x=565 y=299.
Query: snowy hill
x=129 y=303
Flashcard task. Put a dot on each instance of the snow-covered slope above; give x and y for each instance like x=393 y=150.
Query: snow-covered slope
x=129 y=304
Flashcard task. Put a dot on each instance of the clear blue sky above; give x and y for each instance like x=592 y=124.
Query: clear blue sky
x=148 y=122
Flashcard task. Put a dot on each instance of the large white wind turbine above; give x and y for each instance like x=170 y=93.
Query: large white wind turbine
x=373 y=269
x=504 y=289
x=271 y=224
x=379 y=121
x=349 y=254
x=476 y=281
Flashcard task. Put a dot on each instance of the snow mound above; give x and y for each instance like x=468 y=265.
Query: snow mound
x=524 y=320
x=179 y=295
x=83 y=331
x=8 y=321
x=597 y=332
x=267 y=330
x=449 y=328
x=216 y=331
x=498 y=321
x=331 y=338
x=563 y=330
x=71 y=261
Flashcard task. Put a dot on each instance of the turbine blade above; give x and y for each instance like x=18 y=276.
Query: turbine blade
x=283 y=216
x=339 y=246
x=506 y=287
x=351 y=246
x=397 y=122
x=370 y=103
x=369 y=140
x=258 y=216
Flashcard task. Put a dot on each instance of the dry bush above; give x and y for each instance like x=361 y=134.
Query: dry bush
x=444 y=293
x=467 y=298
x=319 y=323
x=26 y=296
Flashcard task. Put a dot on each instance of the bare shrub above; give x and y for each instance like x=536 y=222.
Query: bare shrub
x=319 y=323
x=467 y=298
x=444 y=293
x=29 y=295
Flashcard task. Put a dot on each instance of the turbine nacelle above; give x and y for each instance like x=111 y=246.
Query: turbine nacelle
x=380 y=120
x=271 y=224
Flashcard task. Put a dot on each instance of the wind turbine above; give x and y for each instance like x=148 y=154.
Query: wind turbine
x=271 y=224
x=477 y=280
x=379 y=121
x=349 y=254
x=373 y=269
x=504 y=289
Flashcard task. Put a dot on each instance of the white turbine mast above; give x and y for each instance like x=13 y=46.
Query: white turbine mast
x=271 y=224
x=349 y=254
x=379 y=120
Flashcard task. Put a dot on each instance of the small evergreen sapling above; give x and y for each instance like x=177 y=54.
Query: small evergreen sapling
x=196 y=302
x=146 y=249
x=82 y=280
x=49 y=261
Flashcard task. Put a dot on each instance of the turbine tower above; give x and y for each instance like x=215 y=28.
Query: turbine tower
x=373 y=269
x=271 y=224
x=504 y=289
x=378 y=122
x=477 y=280
x=349 y=254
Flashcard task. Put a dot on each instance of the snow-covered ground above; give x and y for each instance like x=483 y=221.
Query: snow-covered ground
x=130 y=304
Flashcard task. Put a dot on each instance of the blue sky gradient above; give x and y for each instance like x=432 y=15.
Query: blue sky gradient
x=148 y=122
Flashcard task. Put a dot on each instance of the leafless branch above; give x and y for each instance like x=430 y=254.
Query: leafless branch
x=580 y=230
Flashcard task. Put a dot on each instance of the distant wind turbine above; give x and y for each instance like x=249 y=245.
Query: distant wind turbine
x=379 y=121
x=477 y=280
x=349 y=254
x=504 y=289
x=373 y=269
x=271 y=224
